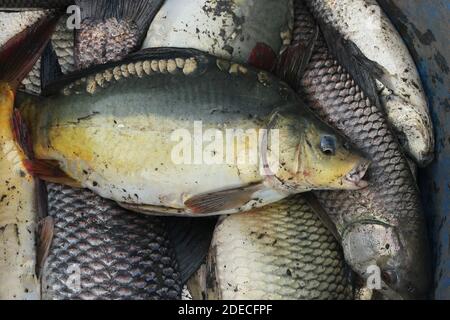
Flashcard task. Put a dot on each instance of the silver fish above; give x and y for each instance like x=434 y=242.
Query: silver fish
x=382 y=225
x=280 y=251
x=244 y=31
x=366 y=25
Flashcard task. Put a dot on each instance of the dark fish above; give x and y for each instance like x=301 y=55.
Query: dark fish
x=101 y=251
x=382 y=225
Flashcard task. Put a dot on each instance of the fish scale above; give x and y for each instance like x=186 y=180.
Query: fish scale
x=62 y=42
x=392 y=197
x=332 y=93
x=282 y=251
x=119 y=254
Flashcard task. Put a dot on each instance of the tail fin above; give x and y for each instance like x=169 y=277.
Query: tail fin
x=111 y=29
x=21 y=52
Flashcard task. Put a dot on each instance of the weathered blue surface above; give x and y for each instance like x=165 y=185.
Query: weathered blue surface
x=425 y=25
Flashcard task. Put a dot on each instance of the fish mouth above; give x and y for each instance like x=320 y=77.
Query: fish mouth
x=354 y=179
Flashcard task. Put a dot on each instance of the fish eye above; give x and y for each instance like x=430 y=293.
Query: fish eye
x=389 y=276
x=328 y=145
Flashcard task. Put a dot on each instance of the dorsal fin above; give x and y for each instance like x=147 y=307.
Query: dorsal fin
x=363 y=70
x=145 y=54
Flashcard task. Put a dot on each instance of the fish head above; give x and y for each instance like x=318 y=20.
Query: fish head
x=393 y=265
x=313 y=156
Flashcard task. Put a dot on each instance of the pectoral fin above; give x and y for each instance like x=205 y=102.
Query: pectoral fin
x=49 y=171
x=222 y=200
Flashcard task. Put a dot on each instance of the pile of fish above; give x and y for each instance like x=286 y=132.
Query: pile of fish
x=112 y=190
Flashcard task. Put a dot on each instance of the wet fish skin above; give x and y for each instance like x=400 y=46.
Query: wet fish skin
x=365 y=24
x=120 y=255
x=281 y=251
x=382 y=224
x=145 y=91
x=227 y=29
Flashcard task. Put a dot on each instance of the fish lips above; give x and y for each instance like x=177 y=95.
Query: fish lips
x=354 y=179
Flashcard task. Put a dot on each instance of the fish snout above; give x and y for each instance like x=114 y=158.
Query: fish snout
x=355 y=177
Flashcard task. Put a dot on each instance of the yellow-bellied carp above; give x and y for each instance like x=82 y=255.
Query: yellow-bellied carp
x=381 y=226
x=125 y=130
x=100 y=251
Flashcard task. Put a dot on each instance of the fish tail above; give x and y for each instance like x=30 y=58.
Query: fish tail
x=111 y=29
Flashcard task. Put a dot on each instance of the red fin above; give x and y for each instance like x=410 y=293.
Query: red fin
x=49 y=170
x=262 y=57
x=20 y=53
x=22 y=135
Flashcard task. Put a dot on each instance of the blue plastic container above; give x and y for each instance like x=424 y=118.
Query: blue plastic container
x=425 y=27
